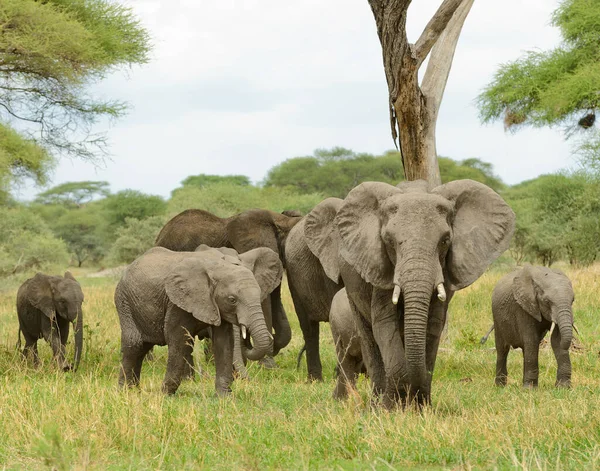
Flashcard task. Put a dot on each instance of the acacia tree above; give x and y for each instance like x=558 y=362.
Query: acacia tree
x=414 y=107
x=559 y=87
x=51 y=51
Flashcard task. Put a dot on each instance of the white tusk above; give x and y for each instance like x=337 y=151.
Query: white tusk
x=441 y=292
x=576 y=329
x=552 y=328
x=243 y=332
x=396 y=294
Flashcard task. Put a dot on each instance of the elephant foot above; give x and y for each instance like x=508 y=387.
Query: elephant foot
x=530 y=384
x=223 y=392
x=169 y=388
x=501 y=381
x=312 y=377
x=240 y=372
x=563 y=383
x=268 y=362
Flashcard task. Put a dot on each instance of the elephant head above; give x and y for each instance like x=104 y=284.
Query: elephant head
x=54 y=295
x=215 y=285
x=417 y=242
x=546 y=294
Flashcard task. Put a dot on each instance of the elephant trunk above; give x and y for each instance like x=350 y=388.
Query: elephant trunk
x=565 y=327
x=417 y=292
x=281 y=325
x=78 y=339
x=262 y=340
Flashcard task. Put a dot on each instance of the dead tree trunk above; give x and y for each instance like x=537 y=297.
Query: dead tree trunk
x=414 y=108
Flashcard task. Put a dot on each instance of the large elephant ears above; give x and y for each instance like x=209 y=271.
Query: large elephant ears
x=322 y=236
x=190 y=287
x=266 y=267
x=40 y=295
x=482 y=229
x=252 y=229
x=359 y=224
x=524 y=292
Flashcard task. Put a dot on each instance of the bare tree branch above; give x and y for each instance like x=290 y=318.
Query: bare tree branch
x=440 y=62
x=435 y=28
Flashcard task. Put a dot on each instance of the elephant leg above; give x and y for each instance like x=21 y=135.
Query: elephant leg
x=188 y=370
x=53 y=337
x=502 y=349
x=238 y=359
x=267 y=361
x=310 y=332
x=348 y=370
x=281 y=325
x=131 y=363
x=563 y=361
x=436 y=327
x=63 y=328
x=530 y=364
x=386 y=331
x=223 y=351
x=31 y=350
x=370 y=351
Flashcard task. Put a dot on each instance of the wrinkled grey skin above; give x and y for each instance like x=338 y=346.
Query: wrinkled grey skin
x=166 y=298
x=407 y=239
x=347 y=345
x=525 y=302
x=245 y=231
x=311 y=288
x=46 y=305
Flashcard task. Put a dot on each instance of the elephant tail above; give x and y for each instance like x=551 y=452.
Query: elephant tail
x=18 y=345
x=302 y=350
x=485 y=337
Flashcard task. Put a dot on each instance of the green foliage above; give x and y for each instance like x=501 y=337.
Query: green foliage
x=21 y=158
x=81 y=229
x=135 y=238
x=132 y=204
x=202 y=180
x=26 y=242
x=74 y=193
x=51 y=52
x=557 y=87
x=557 y=218
x=224 y=199
x=335 y=172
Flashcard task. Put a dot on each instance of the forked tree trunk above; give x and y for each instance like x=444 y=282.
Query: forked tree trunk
x=414 y=108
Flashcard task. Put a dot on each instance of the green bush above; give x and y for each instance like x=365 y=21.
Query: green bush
x=135 y=238
x=26 y=243
x=225 y=199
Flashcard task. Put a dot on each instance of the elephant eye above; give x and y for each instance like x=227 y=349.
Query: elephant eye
x=446 y=242
x=232 y=299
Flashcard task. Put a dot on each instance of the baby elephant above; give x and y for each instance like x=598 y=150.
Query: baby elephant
x=167 y=298
x=526 y=304
x=45 y=307
x=347 y=345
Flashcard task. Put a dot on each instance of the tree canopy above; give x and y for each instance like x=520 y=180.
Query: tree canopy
x=336 y=171
x=557 y=87
x=74 y=193
x=50 y=53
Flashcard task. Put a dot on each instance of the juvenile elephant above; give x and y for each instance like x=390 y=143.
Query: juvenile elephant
x=347 y=345
x=403 y=252
x=166 y=298
x=526 y=303
x=45 y=307
x=245 y=231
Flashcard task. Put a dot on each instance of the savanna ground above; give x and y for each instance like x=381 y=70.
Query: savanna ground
x=49 y=419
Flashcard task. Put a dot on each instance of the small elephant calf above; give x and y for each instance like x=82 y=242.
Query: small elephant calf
x=45 y=307
x=526 y=303
x=347 y=345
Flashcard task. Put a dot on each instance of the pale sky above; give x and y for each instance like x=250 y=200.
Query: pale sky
x=238 y=86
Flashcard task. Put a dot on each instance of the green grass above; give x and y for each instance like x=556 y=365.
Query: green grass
x=52 y=420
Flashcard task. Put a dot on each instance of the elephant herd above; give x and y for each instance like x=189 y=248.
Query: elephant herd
x=381 y=265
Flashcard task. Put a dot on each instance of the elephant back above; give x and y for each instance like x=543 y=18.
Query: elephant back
x=191 y=228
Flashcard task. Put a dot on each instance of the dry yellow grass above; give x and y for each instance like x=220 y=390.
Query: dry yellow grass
x=52 y=420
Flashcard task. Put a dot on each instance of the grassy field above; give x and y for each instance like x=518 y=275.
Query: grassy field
x=276 y=420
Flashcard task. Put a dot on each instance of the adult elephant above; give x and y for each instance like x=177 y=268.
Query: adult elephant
x=313 y=284
x=403 y=252
x=243 y=232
